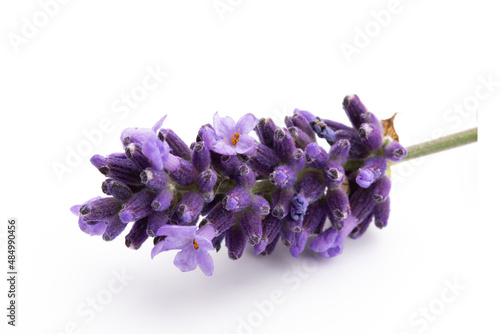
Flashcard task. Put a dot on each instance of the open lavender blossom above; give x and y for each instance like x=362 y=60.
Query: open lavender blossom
x=314 y=180
x=230 y=138
x=193 y=243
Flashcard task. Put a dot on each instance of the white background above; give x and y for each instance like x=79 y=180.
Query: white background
x=264 y=57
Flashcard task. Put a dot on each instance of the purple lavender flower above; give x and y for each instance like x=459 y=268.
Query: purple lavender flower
x=330 y=243
x=156 y=150
x=93 y=229
x=193 y=243
x=140 y=135
x=282 y=186
x=230 y=138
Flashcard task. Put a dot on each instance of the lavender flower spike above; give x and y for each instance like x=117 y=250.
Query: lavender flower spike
x=193 y=243
x=228 y=186
x=232 y=138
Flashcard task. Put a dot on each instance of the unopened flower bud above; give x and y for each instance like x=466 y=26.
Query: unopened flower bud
x=260 y=205
x=137 y=234
x=395 y=152
x=372 y=170
x=235 y=242
x=100 y=209
x=263 y=161
x=114 y=227
x=323 y=131
x=283 y=177
x=237 y=199
x=381 y=213
x=281 y=202
x=206 y=180
x=381 y=189
x=316 y=156
x=185 y=174
x=284 y=145
x=153 y=179
x=302 y=123
x=370 y=136
x=298 y=160
x=245 y=176
x=220 y=218
x=354 y=110
x=163 y=199
x=252 y=226
x=117 y=189
x=177 y=146
x=334 y=174
x=138 y=206
x=340 y=150
x=300 y=137
x=190 y=207
x=338 y=202
x=265 y=130
x=133 y=151
x=201 y=156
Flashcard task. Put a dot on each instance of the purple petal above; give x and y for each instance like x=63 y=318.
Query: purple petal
x=324 y=241
x=151 y=151
x=168 y=244
x=171 y=162
x=158 y=124
x=176 y=243
x=260 y=247
x=331 y=252
x=205 y=262
x=185 y=260
x=246 y=124
x=164 y=149
x=204 y=243
x=299 y=243
x=177 y=231
x=96 y=229
x=337 y=250
x=157 y=249
x=136 y=135
x=74 y=209
x=222 y=147
x=224 y=126
x=209 y=137
x=365 y=178
x=246 y=145
x=307 y=115
x=207 y=231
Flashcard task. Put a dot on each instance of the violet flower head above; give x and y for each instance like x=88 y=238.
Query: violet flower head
x=227 y=186
x=193 y=244
x=230 y=138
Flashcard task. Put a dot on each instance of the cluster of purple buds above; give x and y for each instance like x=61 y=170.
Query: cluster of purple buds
x=229 y=187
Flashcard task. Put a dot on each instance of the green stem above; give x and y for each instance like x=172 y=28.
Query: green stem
x=428 y=147
x=442 y=144
x=263 y=186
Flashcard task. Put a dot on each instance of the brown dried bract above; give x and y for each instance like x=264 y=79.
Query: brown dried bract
x=389 y=129
x=345 y=186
